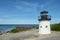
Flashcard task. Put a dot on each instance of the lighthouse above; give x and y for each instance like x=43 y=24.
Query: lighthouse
x=44 y=23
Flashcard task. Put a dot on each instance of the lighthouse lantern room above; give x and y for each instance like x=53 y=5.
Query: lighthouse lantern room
x=44 y=23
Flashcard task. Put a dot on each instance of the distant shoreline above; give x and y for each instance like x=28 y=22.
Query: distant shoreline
x=7 y=27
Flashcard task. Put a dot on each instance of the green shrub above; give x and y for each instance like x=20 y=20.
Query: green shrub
x=14 y=31
x=55 y=27
x=37 y=27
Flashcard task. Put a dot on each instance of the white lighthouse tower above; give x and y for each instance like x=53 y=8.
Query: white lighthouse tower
x=44 y=23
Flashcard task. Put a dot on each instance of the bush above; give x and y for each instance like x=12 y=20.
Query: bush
x=37 y=27
x=55 y=27
x=14 y=31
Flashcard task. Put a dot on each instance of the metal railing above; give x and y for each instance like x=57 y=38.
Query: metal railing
x=48 y=17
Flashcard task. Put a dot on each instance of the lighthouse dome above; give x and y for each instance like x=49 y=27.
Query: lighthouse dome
x=44 y=12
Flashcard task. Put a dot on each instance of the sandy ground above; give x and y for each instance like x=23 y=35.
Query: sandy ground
x=30 y=35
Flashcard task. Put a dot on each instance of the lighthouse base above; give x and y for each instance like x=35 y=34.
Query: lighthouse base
x=44 y=27
x=44 y=33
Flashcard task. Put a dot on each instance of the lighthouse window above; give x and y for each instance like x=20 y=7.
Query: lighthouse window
x=46 y=26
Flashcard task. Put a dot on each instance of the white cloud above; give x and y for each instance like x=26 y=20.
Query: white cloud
x=27 y=6
x=18 y=21
x=8 y=15
x=30 y=7
x=1 y=20
x=55 y=20
x=5 y=16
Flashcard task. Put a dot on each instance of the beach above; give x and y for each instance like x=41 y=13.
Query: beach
x=30 y=35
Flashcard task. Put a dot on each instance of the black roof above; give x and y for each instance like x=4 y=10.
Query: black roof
x=44 y=12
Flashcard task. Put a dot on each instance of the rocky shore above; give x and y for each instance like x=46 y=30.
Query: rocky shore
x=30 y=35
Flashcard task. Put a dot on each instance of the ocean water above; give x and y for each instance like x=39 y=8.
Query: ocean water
x=8 y=27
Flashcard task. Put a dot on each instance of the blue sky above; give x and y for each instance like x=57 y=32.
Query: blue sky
x=27 y=11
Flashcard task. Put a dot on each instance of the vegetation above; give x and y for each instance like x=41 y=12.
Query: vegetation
x=37 y=27
x=20 y=28
x=14 y=30
x=0 y=33
x=55 y=27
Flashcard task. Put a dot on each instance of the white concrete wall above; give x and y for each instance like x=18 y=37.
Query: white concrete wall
x=44 y=29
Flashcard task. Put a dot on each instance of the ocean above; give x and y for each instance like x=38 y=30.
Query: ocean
x=8 y=27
